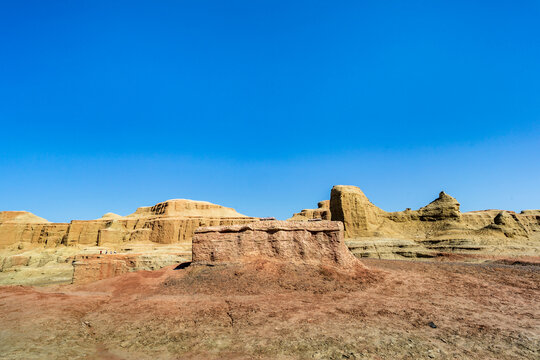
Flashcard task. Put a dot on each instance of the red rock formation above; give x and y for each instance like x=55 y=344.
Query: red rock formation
x=90 y=268
x=308 y=242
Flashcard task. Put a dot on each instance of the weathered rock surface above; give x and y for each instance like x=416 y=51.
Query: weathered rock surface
x=349 y=205
x=436 y=227
x=20 y=217
x=88 y=268
x=24 y=227
x=28 y=242
x=304 y=242
x=169 y=222
x=110 y=216
x=44 y=266
x=322 y=212
x=385 y=248
x=442 y=208
x=98 y=267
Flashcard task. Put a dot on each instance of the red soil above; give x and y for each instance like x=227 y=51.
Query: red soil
x=272 y=310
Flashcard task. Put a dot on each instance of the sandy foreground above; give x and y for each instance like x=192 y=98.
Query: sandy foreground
x=269 y=310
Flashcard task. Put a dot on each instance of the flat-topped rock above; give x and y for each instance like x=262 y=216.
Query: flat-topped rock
x=276 y=225
x=187 y=208
x=311 y=242
x=168 y=222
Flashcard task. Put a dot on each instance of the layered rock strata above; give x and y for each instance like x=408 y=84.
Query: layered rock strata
x=442 y=217
x=169 y=222
x=321 y=213
x=437 y=227
x=305 y=242
x=99 y=267
x=88 y=268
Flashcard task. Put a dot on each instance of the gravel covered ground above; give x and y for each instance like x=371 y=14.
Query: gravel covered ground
x=269 y=310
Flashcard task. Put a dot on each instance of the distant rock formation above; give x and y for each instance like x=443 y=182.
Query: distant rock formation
x=322 y=212
x=437 y=227
x=168 y=222
x=438 y=220
x=22 y=226
x=21 y=217
x=110 y=216
x=94 y=268
x=306 y=242
x=187 y=208
x=530 y=212
x=442 y=208
x=349 y=205
x=88 y=268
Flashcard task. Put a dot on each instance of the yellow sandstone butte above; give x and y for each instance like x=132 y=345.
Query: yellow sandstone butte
x=439 y=226
x=168 y=222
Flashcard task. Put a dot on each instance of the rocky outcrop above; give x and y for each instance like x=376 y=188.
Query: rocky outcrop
x=186 y=208
x=88 y=268
x=23 y=226
x=110 y=216
x=42 y=234
x=359 y=216
x=321 y=213
x=443 y=208
x=21 y=217
x=531 y=212
x=157 y=232
x=99 y=267
x=168 y=222
x=436 y=227
x=303 y=242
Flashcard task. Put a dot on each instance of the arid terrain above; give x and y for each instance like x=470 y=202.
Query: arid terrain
x=264 y=310
x=187 y=279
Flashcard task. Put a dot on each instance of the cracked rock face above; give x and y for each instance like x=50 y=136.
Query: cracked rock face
x=319 y=242
x=349 y=205
x=168 y=222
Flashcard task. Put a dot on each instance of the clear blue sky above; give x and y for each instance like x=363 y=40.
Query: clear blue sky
x=264 y=105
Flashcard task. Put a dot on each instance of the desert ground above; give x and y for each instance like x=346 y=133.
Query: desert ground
x=264 y=309
x=188 y=279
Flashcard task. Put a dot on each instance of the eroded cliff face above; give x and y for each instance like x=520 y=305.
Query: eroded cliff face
x=437 y=227
x=24 y=227
x=34 y=251
x=88 y=268
x=439 y=219
x=301 y=242
x=349 y=205
x=321 y=213
x=169 y=222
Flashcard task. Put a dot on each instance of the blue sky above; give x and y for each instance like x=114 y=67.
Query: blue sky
x=264 y=105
